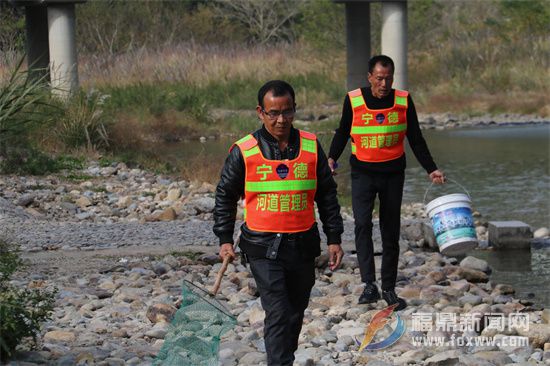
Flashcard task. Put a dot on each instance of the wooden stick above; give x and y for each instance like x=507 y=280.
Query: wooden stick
x=220 y=275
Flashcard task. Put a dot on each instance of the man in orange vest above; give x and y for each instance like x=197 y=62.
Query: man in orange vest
x=281 y=172
x=378 y=118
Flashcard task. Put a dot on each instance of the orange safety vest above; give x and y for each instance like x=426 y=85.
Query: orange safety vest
x=378 y=134
x=279 y=194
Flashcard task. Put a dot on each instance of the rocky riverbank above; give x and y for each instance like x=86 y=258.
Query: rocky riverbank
x=117 y=242
x=439 y=121
x=449 y=120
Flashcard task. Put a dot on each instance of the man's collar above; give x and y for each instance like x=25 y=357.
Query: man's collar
x=267 y=136
x=390 y=95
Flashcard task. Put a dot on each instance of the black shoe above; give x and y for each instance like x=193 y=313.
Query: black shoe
x=370 y=294
x=391 y=298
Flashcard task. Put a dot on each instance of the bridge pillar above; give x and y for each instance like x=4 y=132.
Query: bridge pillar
x=394 y=39
x=357 y=43
x=63 y=62
x=38 y=53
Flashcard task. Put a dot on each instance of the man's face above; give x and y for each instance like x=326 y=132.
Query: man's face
x=381 y=80
x=277 y=114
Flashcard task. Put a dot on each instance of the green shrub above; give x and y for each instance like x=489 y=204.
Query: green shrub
x=83 y=123
x=25 y=161
x=21 y=310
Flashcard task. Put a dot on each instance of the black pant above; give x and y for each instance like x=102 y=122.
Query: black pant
x=284 y=284
x=364 y=188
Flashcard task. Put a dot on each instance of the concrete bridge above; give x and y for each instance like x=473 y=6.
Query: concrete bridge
x=51 y=44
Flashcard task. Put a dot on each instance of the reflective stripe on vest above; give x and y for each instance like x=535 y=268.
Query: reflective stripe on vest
x=279 y=194
x=378 y=134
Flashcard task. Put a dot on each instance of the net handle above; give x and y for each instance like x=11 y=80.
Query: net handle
x=207 y=297
x=220 y=275
x=446 y=179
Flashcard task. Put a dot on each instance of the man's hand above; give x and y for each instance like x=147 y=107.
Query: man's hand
x=227 y=250
x=335 y=255
x=332 y=165
x=437 y=177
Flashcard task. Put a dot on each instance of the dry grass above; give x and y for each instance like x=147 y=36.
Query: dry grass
x=479 y=102
x=195 y=170
x=197 y=65
x=481 y=86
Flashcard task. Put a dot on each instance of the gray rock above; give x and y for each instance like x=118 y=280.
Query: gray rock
x=496 y=357
x=314 y=354
x=502 y=299
x=25 y=199
x=158 y=331
x=343 y=343
x=111 y=361
x=259 y=344
x=472 y=360
x=226 y=353
x=303 y=360
x=476 y=264
x=429 y=236
x=203 y=204
x=84 y=215
x=253 y=358
x=411 y=357
x=377 y=363
x=446 y=358
x=537 y=356
x=470 y=299
x=68 y=206
x=67 y=360
x=161 y=268
x=412 y=230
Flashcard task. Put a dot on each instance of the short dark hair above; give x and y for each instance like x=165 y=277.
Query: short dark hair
x=383 y=60
x=279 y=88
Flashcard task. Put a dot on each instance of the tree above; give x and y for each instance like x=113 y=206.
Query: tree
x=266 y=21
x=322 y=25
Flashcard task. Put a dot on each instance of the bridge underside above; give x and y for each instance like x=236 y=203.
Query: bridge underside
x=394 y=39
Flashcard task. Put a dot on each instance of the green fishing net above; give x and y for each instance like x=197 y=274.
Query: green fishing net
x=195 y=331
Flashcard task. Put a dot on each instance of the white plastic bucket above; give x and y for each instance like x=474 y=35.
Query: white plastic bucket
x=453 y=224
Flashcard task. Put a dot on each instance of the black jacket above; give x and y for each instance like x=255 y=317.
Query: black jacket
x=231 y=188
x=414 y=136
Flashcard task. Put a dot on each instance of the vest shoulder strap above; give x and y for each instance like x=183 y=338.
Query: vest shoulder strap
x=308 y=135
x=246 y=143
x=356 y=99
x=401 y=93
x=355 y=93
x=401 y=98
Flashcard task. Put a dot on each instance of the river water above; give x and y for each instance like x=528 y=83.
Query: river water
x=506 y=171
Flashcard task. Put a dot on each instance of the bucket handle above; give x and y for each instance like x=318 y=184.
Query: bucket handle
x=449 y=179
